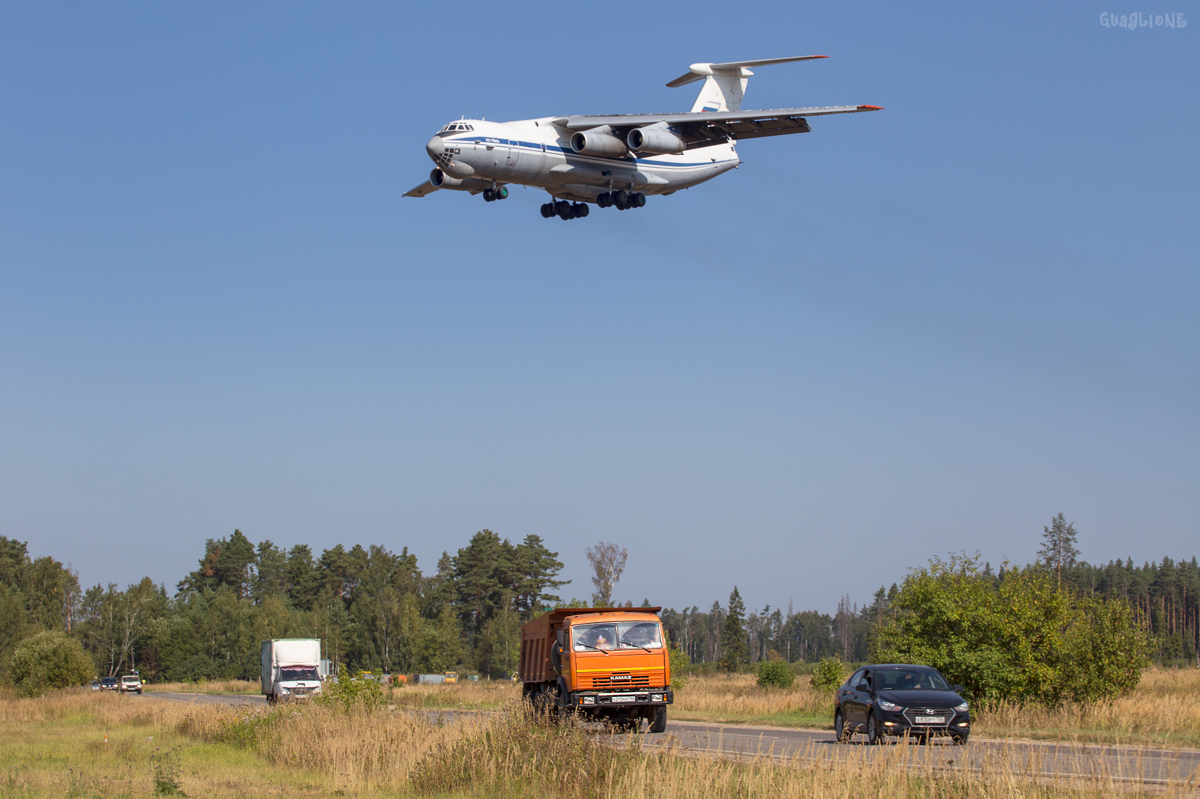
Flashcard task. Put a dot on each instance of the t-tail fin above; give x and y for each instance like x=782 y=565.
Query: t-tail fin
x=725 y=84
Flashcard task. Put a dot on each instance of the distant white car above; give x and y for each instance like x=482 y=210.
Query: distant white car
x=130 y=684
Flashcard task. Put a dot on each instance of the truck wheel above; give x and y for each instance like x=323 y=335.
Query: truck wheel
x=659 y=722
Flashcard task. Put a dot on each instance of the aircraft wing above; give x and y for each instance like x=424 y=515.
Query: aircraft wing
x=702 y=129
x=422 y=190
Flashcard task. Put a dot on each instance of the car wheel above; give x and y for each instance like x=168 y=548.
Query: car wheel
x=841 y=732
x=874 y=733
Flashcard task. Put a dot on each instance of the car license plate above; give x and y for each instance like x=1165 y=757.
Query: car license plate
x=624 y=698
x=928 y=719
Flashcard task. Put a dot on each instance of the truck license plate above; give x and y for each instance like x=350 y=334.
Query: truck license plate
x=624 y=698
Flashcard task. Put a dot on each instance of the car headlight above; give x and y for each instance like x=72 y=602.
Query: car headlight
x=961 y=708
x=890 y=707
x=284 y=691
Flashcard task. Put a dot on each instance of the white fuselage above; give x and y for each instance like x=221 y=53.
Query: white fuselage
x=534 y=152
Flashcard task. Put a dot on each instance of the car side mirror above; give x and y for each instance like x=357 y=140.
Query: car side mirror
x=862 y=686
x=958 y=689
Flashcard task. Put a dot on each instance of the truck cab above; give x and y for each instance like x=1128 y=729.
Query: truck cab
x=609 y=664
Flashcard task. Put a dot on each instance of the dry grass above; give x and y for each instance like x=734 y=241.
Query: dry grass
x=736 y=698
x=1164 y=710
x=207 y=687
x=311 y=750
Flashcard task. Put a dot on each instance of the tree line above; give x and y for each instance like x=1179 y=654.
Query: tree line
x=375 y=609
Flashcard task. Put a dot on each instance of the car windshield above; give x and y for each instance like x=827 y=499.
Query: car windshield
x=619 y=635
x=129 y=679
x=909 y=680
x=109 y=681
x=298 y=673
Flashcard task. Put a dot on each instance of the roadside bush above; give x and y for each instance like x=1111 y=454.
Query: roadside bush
x=1016 y=639
x=775 y=674
x=828 y=674
x=681 y=666
x=49 y=661
x=349 y=693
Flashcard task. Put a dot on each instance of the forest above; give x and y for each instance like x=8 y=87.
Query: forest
x=376 y=610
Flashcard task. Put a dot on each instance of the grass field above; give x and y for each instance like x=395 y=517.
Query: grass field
x=81 y=744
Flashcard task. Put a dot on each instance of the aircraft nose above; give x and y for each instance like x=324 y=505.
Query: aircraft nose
x=435 y=147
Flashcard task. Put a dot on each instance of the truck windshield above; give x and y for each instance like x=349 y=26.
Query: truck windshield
x=298 y=673
x=621 y=635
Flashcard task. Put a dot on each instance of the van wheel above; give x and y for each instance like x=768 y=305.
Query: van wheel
x=659 y=722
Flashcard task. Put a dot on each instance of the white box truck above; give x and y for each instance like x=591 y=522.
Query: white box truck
x=291 y=668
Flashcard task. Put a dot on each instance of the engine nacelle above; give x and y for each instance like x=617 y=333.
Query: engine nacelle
x=443 y=181
x=593 y=143
x=655 y=140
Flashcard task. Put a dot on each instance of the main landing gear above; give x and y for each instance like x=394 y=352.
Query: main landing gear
x=564 y=210
x=621 y=199
x=500 y=193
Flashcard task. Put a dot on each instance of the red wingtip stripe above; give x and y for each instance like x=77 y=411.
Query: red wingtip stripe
x=872 y=107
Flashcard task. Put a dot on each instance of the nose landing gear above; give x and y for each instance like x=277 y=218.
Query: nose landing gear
x=621 y=199
x=565 y=210
x=499 y=193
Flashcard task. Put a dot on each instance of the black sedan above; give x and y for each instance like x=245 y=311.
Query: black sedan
x=110 y=684
x=897 y=699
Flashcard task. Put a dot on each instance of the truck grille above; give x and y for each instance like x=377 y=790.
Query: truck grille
x=618 y=681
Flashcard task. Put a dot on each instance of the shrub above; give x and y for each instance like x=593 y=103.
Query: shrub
x=681 y=666
x=49 y=661
x=1016 y=639
x=348 y=693
x=775 y=674
x=828 y=674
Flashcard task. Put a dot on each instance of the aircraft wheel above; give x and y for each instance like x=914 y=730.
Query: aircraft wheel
x=621 y=199
x=605 y=200
x=546 y=211
x=639 y=200
x=502 y=194
x=583 y=210
x=488 y=195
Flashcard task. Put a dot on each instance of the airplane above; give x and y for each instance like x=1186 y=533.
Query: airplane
x=614 y=161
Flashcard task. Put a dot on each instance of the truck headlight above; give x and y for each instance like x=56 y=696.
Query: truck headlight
x=656 y=697
x=587 y=700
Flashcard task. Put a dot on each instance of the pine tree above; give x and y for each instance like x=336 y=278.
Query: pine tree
x=734 y=648
x=1058 y=550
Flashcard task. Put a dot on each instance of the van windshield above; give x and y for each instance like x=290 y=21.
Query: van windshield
x=620 y=635
x=298 y=673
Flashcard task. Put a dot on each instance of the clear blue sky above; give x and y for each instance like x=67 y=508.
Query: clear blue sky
x=920 y=330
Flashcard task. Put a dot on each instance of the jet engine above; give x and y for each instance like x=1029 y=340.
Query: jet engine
x=654 y=139
x=443 y=181
x=594 y=143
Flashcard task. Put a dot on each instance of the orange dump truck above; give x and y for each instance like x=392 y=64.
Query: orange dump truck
x=606 y=663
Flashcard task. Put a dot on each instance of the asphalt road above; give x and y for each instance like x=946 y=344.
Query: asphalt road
x=1036 y=760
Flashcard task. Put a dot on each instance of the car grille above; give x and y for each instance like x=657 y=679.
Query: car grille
x=619 y=681
x=943 y=714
